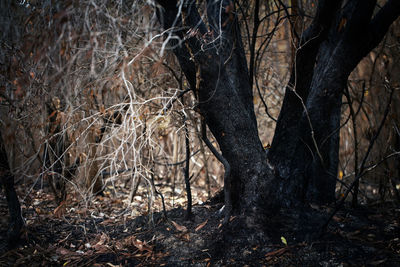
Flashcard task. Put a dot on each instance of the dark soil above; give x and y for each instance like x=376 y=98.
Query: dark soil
x=366 y=236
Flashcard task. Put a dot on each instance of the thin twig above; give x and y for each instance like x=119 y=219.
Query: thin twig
x=186 y=171
x=158 y=193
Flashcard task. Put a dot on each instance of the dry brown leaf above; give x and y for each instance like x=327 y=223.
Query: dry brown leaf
x=276 y=252
x=100 y=245
x=64 y=251
x=200 y=226
x=38 y=211
x=60 y=210
x=141 y=245
x=118 y=245
x=185 y=237
x=52 y=114
x=178 y=227
x=337 y=218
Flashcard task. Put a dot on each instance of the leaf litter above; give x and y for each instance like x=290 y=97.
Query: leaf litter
x=106 y=233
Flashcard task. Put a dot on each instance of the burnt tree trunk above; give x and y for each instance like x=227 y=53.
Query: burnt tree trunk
x=309 y=122
x=16 y=221
x=215 y=66
x=301 y=165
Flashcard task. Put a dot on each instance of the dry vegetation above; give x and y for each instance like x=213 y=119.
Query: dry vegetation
x=94 y=107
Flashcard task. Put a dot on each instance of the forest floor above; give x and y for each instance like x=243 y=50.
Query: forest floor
x=107 y=233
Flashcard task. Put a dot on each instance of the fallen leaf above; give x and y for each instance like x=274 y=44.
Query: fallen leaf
x=276 y=252
x=38 y=211
x=178 y=227
x=64 y=251
x=337 y=218
x=111 y=265
x=102 y=240
x=200 y=226
x=60 y=210
x=141 y=245
x=185 y=237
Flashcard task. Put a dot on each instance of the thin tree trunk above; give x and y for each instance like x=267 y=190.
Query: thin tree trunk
x=7 y=180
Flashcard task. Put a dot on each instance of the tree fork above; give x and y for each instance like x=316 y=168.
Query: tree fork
x=304 y=153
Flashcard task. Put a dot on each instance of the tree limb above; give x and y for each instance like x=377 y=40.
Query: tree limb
x=380 y=24
x=227 y=182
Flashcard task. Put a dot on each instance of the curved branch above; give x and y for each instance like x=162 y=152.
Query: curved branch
x=227 y=184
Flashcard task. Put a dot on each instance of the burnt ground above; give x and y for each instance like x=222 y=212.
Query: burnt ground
x=105 y=233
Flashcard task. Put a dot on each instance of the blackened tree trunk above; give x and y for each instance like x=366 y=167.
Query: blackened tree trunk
x=309 y=122
x=7 y=181
x=301 y=165
x=214 y=63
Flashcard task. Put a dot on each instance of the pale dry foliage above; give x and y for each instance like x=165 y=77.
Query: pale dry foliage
x=95 y=78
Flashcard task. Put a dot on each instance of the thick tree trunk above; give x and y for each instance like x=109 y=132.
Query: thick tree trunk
x=306 y=141
x=302 y=163
x=219 y=77
x=287 y=139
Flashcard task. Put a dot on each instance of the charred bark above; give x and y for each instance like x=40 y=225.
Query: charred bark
x=302 y=163
x=286 y=138
x=309 y=122
x=220 y=80
x=16 y=221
